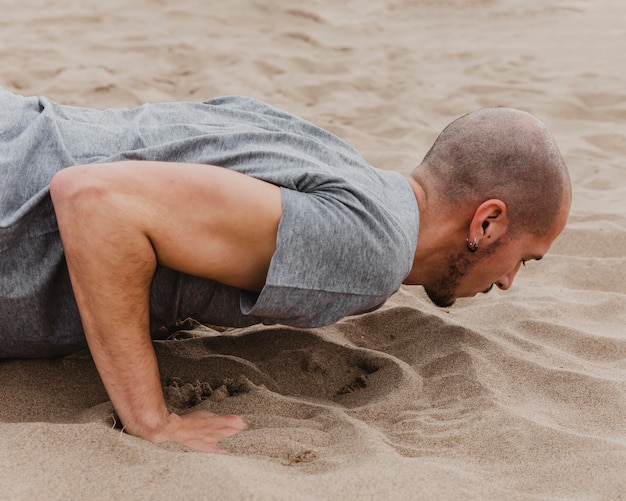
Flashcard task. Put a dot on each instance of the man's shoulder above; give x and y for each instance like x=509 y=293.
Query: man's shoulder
x=359 y=243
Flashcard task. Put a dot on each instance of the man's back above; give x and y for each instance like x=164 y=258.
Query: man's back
x=345 y=242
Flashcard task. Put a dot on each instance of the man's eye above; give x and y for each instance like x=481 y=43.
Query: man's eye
x=523 y=262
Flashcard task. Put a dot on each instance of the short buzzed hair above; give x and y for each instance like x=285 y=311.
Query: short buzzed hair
x=505 y=154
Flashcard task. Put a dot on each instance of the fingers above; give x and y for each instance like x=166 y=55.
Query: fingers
x=201 y=430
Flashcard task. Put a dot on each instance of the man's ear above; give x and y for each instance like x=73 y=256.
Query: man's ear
x=489 y=223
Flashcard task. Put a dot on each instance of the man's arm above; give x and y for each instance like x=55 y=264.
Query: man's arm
x=117 y=221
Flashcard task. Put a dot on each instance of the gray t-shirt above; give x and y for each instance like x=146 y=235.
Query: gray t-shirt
x=345 y=242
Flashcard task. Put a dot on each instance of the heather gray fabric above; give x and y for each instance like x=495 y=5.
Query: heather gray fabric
x=345 y=242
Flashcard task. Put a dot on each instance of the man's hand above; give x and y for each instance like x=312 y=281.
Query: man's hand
x=117 y=222
x=199 y=430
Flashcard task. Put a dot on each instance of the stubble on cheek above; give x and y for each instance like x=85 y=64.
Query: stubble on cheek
x=444 y=292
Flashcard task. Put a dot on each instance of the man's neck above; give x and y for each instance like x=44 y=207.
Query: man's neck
x=439 y=228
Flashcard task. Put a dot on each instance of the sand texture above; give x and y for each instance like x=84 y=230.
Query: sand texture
x=517 y=395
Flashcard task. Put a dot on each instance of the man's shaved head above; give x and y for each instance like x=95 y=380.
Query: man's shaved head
x=504 y=154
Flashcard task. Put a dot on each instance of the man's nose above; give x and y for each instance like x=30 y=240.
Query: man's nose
x=506 y=281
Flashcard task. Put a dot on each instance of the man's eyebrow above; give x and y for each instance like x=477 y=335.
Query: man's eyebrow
x=537 y=258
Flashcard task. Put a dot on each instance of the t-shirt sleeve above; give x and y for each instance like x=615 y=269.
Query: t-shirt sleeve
x=334 y=257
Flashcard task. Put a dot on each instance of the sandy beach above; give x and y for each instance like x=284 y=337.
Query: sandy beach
x=516 y=395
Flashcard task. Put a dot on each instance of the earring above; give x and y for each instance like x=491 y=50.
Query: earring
x=472 y=247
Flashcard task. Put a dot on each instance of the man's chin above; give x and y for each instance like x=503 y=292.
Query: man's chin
x=441 y=300
x=445 y=301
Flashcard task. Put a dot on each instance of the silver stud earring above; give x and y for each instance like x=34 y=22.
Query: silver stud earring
x=472 y=247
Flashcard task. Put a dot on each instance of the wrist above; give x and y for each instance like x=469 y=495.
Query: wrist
x=149 y=426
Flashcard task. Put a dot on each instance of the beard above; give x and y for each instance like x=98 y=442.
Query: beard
x=444 y=292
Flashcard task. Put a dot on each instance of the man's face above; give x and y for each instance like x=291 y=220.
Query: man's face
x=465 y=274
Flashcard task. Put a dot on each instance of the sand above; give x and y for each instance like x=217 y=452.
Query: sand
x=513 y=395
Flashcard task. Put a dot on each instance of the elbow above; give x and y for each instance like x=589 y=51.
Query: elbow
x=74 y=190
x=67 y=182
x=63 y=185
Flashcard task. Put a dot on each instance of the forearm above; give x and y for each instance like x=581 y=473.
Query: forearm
x=111 y=263
x=128 y=368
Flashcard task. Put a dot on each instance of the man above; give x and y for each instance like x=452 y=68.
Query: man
x=114 y=223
